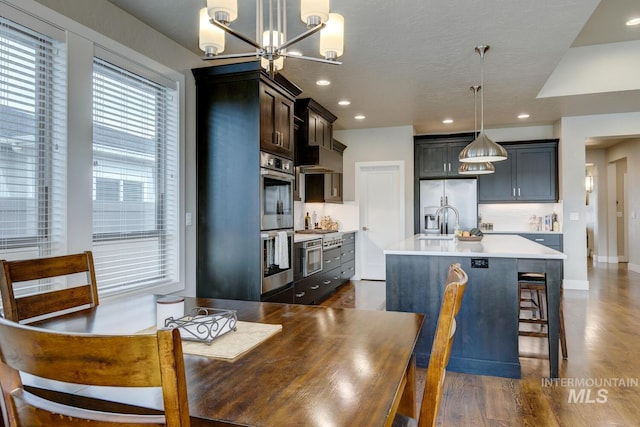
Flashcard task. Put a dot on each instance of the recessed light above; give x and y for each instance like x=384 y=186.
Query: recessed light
x=447 y=121
x=323 y=82
x=360 y=117
x=523 y=116
x=344 y=102
x=634 y=21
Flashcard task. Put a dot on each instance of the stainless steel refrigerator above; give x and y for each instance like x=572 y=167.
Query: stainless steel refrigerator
x=462 y=194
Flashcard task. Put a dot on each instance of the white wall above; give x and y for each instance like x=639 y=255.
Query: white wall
x=379 y=144
x=630 y=150
x=573 y=133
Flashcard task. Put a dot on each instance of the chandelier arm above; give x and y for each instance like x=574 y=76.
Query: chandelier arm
x=311 y=58
x=302 y=36
x=231 y=55
x=237 y=34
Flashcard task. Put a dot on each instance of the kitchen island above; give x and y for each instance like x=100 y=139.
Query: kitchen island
x=486 y=341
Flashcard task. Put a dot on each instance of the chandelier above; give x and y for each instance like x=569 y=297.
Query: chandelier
x=271 y=30
x=482 y=149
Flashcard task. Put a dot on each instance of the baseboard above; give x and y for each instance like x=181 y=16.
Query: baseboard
x=633 y=267
x=580 y=285
x=606 y=259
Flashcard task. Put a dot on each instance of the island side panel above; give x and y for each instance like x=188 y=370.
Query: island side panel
x=486 y=341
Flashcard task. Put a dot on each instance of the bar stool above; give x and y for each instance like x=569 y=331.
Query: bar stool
x=532 y=288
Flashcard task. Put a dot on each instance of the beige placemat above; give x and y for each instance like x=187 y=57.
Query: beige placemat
x=247 y=336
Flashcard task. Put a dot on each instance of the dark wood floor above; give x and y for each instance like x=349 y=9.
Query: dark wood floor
x=601 y=378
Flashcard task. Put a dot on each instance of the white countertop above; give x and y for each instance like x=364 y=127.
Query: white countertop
x=496 y=246
x=519 y=232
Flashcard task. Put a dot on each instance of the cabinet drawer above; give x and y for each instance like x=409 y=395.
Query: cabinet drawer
x=308 y=290
x=348 y=270
x=553 y=241
x=349 y=238
x=331 y=259
x=331 y=279
x=285 y=295
x=347 y=253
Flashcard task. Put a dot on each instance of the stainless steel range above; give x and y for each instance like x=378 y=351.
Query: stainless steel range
x=332 y=240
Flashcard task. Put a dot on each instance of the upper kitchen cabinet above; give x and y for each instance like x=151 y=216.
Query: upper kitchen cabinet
x=436 y=156
x=530 y=174
x=317 y=127
x=276 y=121
x=315 y=151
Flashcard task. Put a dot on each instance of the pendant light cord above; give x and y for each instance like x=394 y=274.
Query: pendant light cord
x=482 y=92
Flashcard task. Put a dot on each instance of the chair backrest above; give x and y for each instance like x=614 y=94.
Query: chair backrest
x=23 y=308
x=152 y=360
x=443 y=340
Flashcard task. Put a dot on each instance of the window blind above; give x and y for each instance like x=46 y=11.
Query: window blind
x=32 y=143
x=135 y=178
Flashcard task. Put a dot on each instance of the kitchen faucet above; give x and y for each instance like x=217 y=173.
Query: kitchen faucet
x=443 y=227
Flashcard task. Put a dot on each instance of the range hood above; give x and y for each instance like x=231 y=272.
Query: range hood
x=316 y=159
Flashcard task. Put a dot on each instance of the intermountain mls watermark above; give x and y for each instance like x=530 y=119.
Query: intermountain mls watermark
x=590 y=390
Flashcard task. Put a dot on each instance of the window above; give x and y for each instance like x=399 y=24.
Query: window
x=32 y=142
x=135 y=178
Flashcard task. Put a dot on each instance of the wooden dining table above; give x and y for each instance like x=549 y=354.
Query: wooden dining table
x=327 y=367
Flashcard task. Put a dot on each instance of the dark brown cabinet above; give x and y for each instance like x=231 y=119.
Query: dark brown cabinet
x=230 y=134
x=348 y=257
x=317 y=124
x=530 y=174
x=276 y=121
x=338 y=266
x=323 y=188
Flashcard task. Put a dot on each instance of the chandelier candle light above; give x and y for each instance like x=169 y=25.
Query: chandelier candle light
x=475 y=168
x=271 y=30
x=482 y=149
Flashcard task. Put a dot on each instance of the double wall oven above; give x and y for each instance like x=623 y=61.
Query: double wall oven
x=276 y=221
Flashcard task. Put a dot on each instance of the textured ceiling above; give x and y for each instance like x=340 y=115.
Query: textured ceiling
x=412 y=62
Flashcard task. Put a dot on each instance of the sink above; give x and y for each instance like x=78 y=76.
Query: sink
x=435 y=237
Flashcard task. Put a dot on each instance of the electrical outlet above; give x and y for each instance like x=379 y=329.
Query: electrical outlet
x=479 y=262
x=187 y=219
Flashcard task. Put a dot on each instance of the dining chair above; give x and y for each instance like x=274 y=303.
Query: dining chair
x=143 y=360
x=455 y=286
x=36 y=302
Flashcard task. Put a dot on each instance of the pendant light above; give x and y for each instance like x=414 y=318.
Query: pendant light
x=482 y=149
x=475 y=168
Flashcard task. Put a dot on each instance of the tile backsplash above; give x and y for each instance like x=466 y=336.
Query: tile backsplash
x=346 y=214
x=516 y=216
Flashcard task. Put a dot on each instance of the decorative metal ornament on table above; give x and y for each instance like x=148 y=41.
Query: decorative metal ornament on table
x=204 y=324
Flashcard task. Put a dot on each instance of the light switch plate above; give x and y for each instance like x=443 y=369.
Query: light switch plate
x=574 y=216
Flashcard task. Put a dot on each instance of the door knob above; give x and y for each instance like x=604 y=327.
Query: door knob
x=365 y=228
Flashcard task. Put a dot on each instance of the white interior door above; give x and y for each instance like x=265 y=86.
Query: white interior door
x=380 y=192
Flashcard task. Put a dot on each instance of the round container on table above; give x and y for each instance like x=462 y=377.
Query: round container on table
x=168 y=306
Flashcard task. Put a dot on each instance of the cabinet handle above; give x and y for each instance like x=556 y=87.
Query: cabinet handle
x=444 y=167
x=313 y=288
x=300 y=295
x=514 y=191
x=449 y=167
x=518 y=191
x=326 y=282
x=336 y=258
x=539 y=240
x=327 y=261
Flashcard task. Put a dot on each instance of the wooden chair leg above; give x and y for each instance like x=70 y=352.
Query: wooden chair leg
x=563 y=337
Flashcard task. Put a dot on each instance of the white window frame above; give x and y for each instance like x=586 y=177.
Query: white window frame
x=82 y=44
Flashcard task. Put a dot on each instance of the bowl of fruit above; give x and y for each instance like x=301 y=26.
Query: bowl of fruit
x=473 y=235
